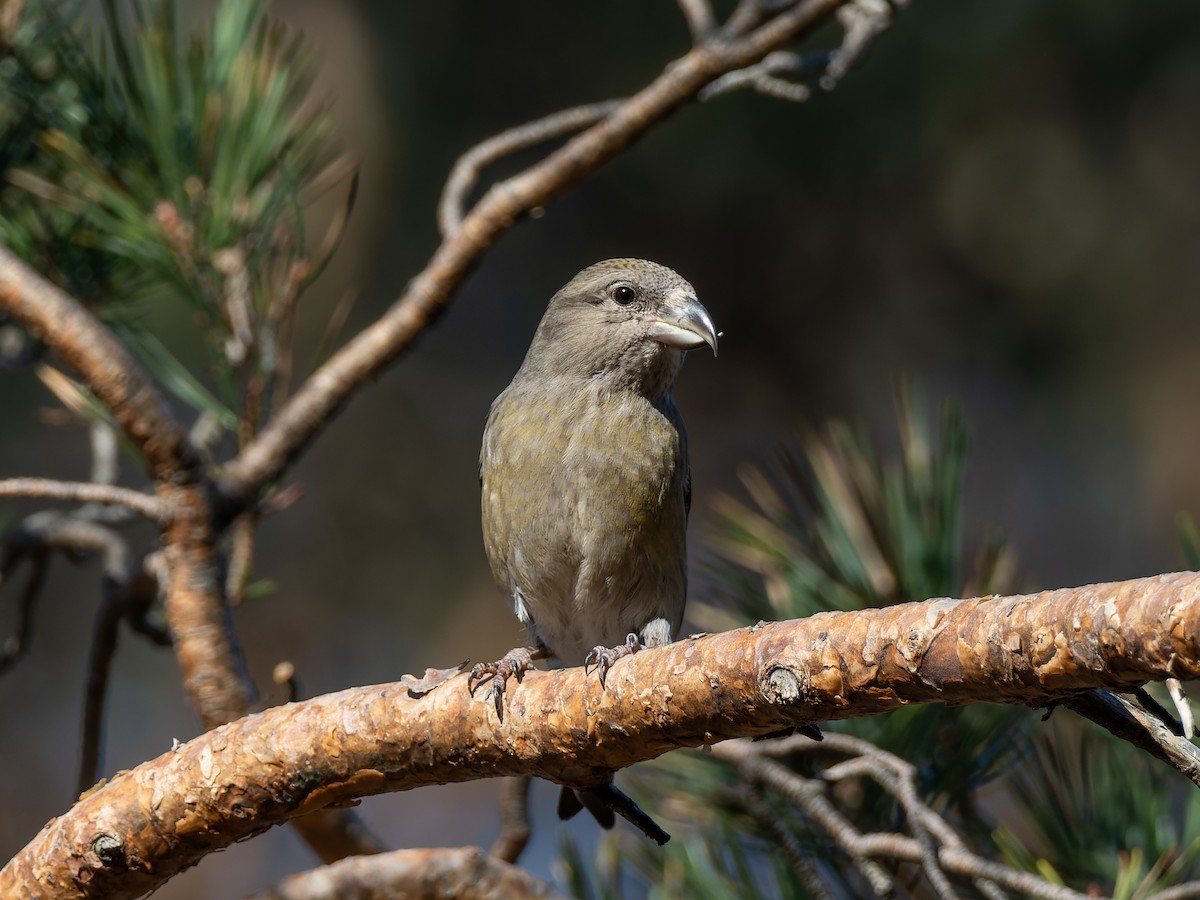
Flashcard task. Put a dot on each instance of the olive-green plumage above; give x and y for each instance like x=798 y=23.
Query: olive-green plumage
x=584 y=466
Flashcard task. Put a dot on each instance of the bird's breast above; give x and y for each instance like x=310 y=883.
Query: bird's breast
x=584 y=512
x=625 y=460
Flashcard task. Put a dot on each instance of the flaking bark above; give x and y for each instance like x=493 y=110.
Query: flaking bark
x=464 y=873
x=128 y=836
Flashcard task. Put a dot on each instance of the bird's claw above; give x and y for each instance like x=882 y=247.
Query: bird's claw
x=514 y=664
x=602 y=658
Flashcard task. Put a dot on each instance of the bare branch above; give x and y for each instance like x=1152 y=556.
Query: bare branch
x=16 y=549
x=33 y=540
x=1187 y=722
x=466 y=873
x=241 y=557
x=863 y=20
x=75 y=535
x=467 y=169
x=205 y=642
x=745 y=16
x=136 y=831
x=1129 y=723
x=949 y=856
x=778 y=74
x=808 y=795
x=103 y=439
x=765 y=77
x=153 y=508
x=315 y=403
x=807 y=868
x=114 y=605
x=700 y=18
x=514 y=819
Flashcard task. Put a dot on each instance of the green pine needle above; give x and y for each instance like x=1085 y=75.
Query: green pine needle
x=150 y=165
x=1098 y=810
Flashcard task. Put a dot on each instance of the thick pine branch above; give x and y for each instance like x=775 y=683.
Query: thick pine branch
x=133 y=833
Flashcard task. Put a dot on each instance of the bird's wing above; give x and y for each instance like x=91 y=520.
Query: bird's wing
x=672 y=412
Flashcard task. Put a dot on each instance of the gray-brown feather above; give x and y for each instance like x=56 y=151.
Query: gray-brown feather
x=585 y=475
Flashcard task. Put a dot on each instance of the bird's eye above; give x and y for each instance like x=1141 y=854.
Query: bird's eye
x=624 y=294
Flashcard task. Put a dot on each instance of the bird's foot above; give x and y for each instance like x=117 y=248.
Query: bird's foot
x=514 y=664
x=602 y=658
x=605 y=800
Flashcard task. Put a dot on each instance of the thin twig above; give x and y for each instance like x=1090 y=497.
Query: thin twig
x=863 y=21
x=153 y=508
x=114 y=583
x=700 y=18
x=15 y=645
x=756 y=761
x=241 y=557
x=1187 y=721
x=766 y=78
x=807 y=868
x=905 y=792
x=466 y=171
x=284 y=675
x=514 y=819
x=808 y=795
x=333 y=328
x=103 y=440
x=146 y=585
x=1139 y=728
x=745 y=16
x=35 y=538
x=205 y=642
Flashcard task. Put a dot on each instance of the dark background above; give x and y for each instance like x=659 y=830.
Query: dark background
x=1001 y=202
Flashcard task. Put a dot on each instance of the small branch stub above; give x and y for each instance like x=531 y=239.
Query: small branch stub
x=783 y=686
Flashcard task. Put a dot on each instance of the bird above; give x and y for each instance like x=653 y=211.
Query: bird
x=585 y=480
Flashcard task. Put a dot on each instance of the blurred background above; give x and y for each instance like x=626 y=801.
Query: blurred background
x=1001 y=202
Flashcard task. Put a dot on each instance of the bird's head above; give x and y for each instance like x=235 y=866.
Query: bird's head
x=627 y=322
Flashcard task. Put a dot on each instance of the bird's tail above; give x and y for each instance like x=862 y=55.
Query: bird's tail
x=605 y=803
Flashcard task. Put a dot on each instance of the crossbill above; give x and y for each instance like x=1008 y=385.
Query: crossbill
x=584 y=469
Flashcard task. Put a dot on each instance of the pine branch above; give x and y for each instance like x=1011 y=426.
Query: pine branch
x=131 y=834
x=86 y=492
